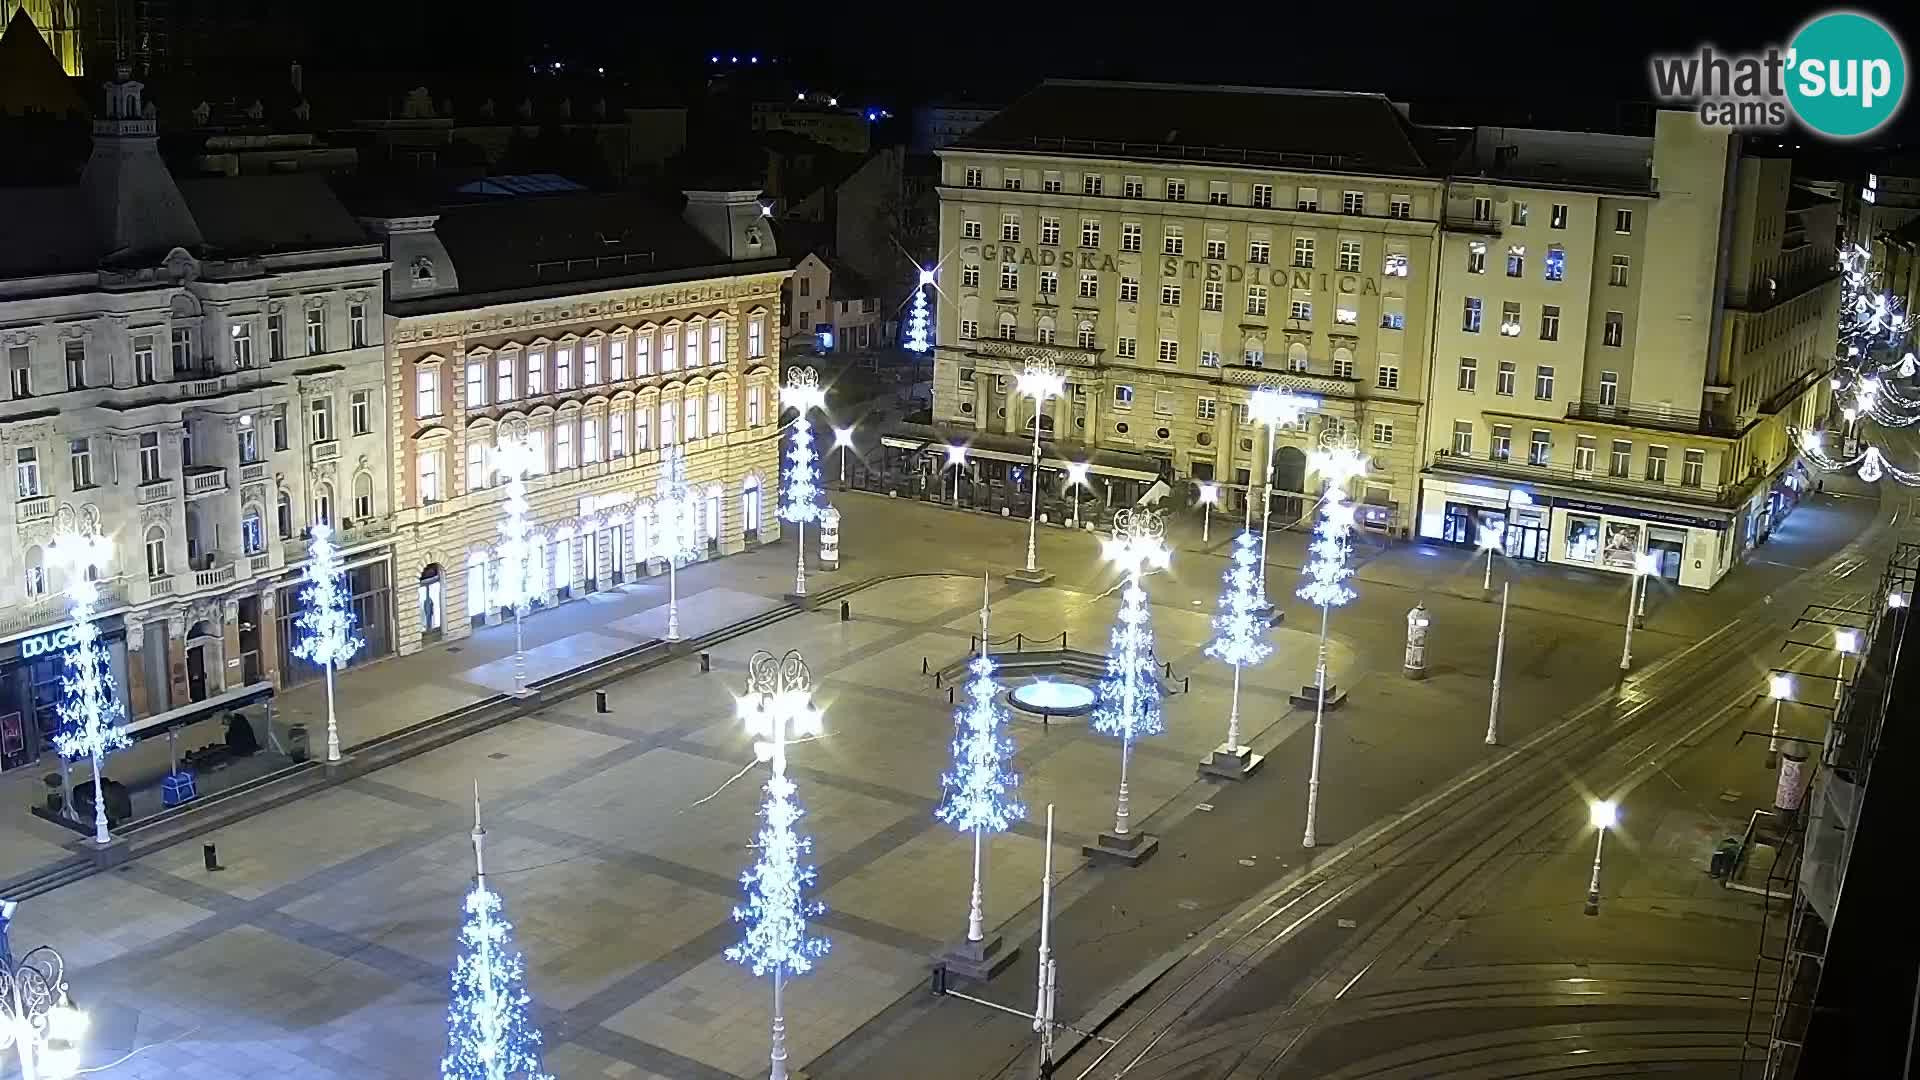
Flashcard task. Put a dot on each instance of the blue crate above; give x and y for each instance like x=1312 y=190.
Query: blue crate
x=176 y=788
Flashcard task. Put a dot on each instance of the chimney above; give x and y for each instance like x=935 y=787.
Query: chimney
x=733 y=221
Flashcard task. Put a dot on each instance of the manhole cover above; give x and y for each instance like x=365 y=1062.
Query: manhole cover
x=1188 y=905
x=498 y=756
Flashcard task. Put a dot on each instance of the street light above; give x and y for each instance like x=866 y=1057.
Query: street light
x=1337 y=462
x=1077 y=479
x=1846 y=643
x=843 y=442
x=1603 y=815
x=1779 y=688
x=1209 y=495
x=1039 y=381
x=1272 y=408
x=514 y=457
x=1490 y=542
x=956 y=456
x=1896 y=600
x=37 y=1015
x=1644 y=563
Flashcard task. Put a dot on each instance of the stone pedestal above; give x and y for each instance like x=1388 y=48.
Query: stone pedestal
x=1231 y=762
x=1129 y=850
x=977 y=961
x=114 y=853
x=1038 y=576
x=1309 y=697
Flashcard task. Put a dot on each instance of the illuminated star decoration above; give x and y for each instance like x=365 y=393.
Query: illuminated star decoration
x=919 y=328
x=1327 y=570
x=979 y=788
x=1128 y=698
x=802 y=391
x=327 y=637
x=1239 y=632
x=490 y=1032
x=777 y=908
x=92 y=723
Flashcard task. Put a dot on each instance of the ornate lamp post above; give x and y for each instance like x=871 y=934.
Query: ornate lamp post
x=1076 y=479
x=1129 y=693
x=843 y=442
x=1209 y=495
x=1272 y=408
x=1039 y=381
x=514 y=458
x=92 y=722
x=1337 y=461
x=1603 y=815
x=1644 y=563
x=801 y=393
x=37 y=1015
x=1780 y=689
x=956 y=457
x=676 y=531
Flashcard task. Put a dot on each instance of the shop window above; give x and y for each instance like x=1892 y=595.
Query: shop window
x=1583 y=538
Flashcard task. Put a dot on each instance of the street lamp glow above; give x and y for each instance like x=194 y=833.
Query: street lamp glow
x=1077 y=479
x=1811 y=442
x=926 y=275
x=1646 y=562
x=1896 y=600
x=1847 y=641
x=1491 y=540
x=956 y=455
x=1780 y=687
x=1209 y=494
x=1039 y=381
x=842 y=436
x=1603 y=814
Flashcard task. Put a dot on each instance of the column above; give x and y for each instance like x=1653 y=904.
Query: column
x=177 y=660
x=138 y=705
x=270 y=636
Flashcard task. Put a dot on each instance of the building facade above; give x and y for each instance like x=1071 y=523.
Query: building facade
x=1624 y=340
x=1286 y=239
x=194 y=369
x=601 y=354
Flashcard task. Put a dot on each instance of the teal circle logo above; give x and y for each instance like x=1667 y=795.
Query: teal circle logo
x=1846 y=74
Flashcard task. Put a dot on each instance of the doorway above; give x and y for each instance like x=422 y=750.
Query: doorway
x=202 y=661
x=428 y=597
x=1669 y=546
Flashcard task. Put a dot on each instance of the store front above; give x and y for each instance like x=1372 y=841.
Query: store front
x=31 y=669
x=370 y=585
x=1691 y=551
x=1461 y=513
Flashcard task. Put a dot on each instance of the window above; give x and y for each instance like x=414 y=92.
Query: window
x=617 y=359
x=1043 y=332
x=1089 y=233
x=969 y=328
x=1301 y=310
x=1170 y=295
x=1176 y=191
x=504 y=366
x=276 y=336
x=478 y=474
x=1693 y=467
x=1162 y=405
x=316 y=331
x=1089 y=284
x=1391 y=315
x=1209 y=358
x=76 y=356
x=143 y=369
x=1504 y=378
x=1470 y=319
x=1623 y=221
x=1263 y=195
x=1621 y=459
x=1259 y=251
x=1543 y=383
x=149 y=457
x=430 y=490
x=80 y=454
x=1214 y=298
x=320 y=420
x=1134 y=188
x=970 y=277
x=1501 y=448
x=617 y=433
x=1396 y=264
x=476 y=383
x=426 y=395
x=1253 y=354
x=1516 y=260
x=1657 y=464
x=1125 y=348
x=1307 y=199
x=1256 y=300
x=1619 y=270
x=26 y=472
x=1344 y=313
x=1463 y=438
x=1050 y=183
x=36 y=572
x=753 y=406
x=283 y=514
x=1173 y=241
x=1476 y=257
x=181 y=346
x=1050 y=230
x=360 y=407
x=643 y=427
x=357 y=325
x=1009 y=330
x=1400 y=206
x=590 y=361
x=1092 y=183
x=1303 y=252
x=1204 y=408
x=1010 y=228
x=1483 y=209
x=1540 y=450
x=1009 y=277
x=716 y=413
x=971 y=230
x=1387 y=377
x=1342 y=364
x=1583 y=449
x=1556 y=263
x=669 y=423
x=156 y=552
x=1169 y=351
x=1216 y=249
x=1559 y=216
x=1123 y=396
x=1469 y=375
x=1086 y=336
x=1011 y=181
x=1049 y=282
x=280 y=440
x=1349 y=256
x=1382 y=433
x=1509 y=318
x=1519 y=213
x=1550 y=322
x=1353 y=202
x=20 y=371
x=1130 y=236
x=537 y=372
x=975 y=178
x=1129 y=291
x=1609 y=387
x=1217 y=194
x=1614 y=331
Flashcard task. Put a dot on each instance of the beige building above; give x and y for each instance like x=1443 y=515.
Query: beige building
x=1628 y=326
x=1172 y=248
x=526 y=313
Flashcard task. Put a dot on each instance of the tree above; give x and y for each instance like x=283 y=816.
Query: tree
x=490 y=1030
x=979 y=789
x=92 y=721
x=1239 y=631
x=326 y=625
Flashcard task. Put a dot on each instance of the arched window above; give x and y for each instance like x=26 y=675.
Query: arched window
x=1087 y=339
x=750 y=505
x=1297 y=356
x=156 y=552
x=362 y=495
x=1043 y=331
x=283 y=514
x=253 y=530
x=477 y=564
x=1342 y=363
x=1254 y=354
x=713 y=514
x=36 y=572
x=323 y=503
x=1009 y=330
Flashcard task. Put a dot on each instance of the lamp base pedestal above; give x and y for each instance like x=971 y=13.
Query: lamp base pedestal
x=1037 y=576
x=1309 y=697
x=977 y=961
x=1129 y=850
x=1231 y=763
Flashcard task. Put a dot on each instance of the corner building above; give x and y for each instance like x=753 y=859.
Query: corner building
x=1171 y=248
x=610 y=328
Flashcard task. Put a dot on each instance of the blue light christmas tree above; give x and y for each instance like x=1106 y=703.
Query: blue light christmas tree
x=802 y=393
x=919 y=325
x=92 y=723
x=490 y=1030
x=979 y=788
x=1239 y=628
x=326 y=625
x=1127 y=700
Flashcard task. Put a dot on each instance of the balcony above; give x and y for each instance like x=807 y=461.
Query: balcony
x=156 y=491
x=204 y=480
x=252 y=472
x=1300 y=382
x=328 y=450
x=1021 y=352
x=160 y=586
x=1456 y=221
x=204 y=384
x=260 y=564
x=215 y=577
x=1715 y=495
x=38 y=508
x=1654 y=417
x=346 y=537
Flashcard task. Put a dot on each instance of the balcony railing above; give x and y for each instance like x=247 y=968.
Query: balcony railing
x=255 y=471
x=160 y=586
x=1595 y=480
x=205 y=480
x=295 y=550
x=37 y=508
x=1656 y=417
x=1304 y=382
x=156 y=491
x=324 y=451
x=260 y=564
x=219 y=575
x=206 y=385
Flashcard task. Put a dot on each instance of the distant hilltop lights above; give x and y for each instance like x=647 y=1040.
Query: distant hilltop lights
x=730 y=59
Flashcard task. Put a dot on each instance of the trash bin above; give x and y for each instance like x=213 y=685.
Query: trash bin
x=297 y=747
x=1725 y=855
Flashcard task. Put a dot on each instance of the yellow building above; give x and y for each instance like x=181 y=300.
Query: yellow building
x=58 y=22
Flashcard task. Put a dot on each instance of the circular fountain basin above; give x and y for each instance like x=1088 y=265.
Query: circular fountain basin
x=1053 y=697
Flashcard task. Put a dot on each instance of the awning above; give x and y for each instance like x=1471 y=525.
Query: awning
x=193 y=713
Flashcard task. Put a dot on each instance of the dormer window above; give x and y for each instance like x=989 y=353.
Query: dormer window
x=423 y=272
x=753 y=236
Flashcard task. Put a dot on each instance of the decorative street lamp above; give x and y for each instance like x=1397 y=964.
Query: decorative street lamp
x=1490 y=542
x=37 y=1014
x=1077 y=479
x=327 y=624
x=778 y=706
x=92 y=721
x=843 y=442
x=1272 y=408
x=1779 y=688
x=1846 y=643
x=676 y=526
x=1603 y=815
x=1644 y=564
x=956 y=457
x=1209 y=495
x=1338 y=462
x=801 y=393
x=514 y=458
x=1499 y=659
x=1240 y=641
x=1040 y=381
x=1129 y=692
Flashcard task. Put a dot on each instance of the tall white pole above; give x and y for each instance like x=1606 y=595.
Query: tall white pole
x=1643 y=596
x=975 y=931
x=1773 y=739
x=1840 y=680
x=1233 y=714
x=100 y=834
x=1076 y=504
x=1266 y=513
x=1593 y=883
x=333 y=727
x=1486 y=582
x=519 y=654
x=779 y=1071
x=1626 y=645
x=24 y=1038
x=956 y=485
x=1043 y=1006
x=843 y=465
x=1206 y=523
x=1033 y=481
x=1319 y=718
x=1499 y=656
x=673 y=599
x=800 y=562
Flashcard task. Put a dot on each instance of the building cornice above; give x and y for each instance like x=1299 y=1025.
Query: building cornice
x=476 y=303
